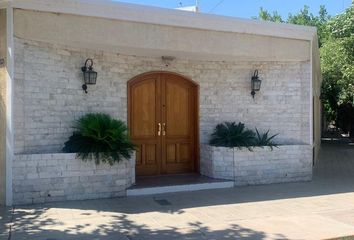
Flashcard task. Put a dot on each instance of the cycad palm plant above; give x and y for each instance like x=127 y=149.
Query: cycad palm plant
x=98 y=136
x=230 y=134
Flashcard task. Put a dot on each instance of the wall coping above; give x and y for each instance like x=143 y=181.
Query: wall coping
x=205 y=145
x=46 y=154
x=64 y=156
x=259 y=148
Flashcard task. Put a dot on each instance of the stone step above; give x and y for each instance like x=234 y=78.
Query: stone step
x=140 y=191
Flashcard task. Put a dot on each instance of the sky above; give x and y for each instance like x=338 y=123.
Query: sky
x=250 y=8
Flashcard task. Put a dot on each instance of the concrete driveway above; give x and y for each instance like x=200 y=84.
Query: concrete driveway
x=321 y=209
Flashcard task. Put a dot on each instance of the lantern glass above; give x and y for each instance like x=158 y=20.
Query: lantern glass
x=90 y=77
x=256 y=84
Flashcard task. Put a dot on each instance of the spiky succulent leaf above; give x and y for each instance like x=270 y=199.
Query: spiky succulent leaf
x=263 y=139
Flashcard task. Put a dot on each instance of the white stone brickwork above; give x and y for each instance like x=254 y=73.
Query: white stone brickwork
x=48 y=94
x=288 y=163
x=218 y=162
x=48 y=99
x=39 y=178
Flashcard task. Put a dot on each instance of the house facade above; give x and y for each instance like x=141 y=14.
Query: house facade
x=171 y=75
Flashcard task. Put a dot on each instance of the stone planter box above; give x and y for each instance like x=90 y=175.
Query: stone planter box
x=287 y=163
x=39 y=178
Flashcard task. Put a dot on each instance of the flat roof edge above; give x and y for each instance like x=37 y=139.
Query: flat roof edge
x=5 y=3
x=160 y=16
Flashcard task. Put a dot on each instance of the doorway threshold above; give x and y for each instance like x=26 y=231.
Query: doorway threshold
x=175 y=183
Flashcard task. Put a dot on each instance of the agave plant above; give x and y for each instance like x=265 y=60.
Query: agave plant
x=230 y=134
x=265 y=140
x=97 y=136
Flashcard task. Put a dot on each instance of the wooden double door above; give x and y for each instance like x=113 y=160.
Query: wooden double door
x=162 y=113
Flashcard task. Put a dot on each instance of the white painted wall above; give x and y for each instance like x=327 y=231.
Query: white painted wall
x=316 y=92
x=3 y=73
x=166 y=17
x=143 y=39
x=6 y=96
x=9 y=102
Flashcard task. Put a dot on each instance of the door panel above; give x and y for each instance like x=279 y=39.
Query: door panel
x=163 y=123
x=171 y=153
x=150 y=154
x=184 y=152
x=144 y=116
x=177 y=109
x=144 y=105
x=179 y=118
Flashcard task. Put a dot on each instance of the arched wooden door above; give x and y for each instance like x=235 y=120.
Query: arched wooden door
x=162 y=113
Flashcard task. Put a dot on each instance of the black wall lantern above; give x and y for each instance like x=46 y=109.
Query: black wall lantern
x=90 y=76
x=255 y=83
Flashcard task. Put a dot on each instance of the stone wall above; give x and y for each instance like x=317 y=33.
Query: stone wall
x=288 y=163
x=39 y=178
x=48 y=94
x=218 y=162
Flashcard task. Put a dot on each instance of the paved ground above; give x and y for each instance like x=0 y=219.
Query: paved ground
x=321 y=209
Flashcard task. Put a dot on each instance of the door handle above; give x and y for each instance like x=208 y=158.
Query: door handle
x=164 y=129
x=159 y=129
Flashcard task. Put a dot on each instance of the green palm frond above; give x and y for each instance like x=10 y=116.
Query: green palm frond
x=101 y=138
x=230 y=134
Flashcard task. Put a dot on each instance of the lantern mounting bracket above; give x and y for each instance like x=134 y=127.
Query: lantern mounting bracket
x=85 y=67
x=84 y=87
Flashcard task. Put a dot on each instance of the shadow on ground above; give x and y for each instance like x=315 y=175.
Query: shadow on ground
x=120 y=227
x=334 y=174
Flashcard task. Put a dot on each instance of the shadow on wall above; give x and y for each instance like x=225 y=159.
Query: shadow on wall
x=30 y=226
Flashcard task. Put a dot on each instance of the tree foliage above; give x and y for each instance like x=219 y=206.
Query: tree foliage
x=336 y=42
x=337 y=63
x=304 y=17
x=267 y=16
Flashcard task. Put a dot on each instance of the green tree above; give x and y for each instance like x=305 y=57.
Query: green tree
x=336 y=42
x=266 y=16
x=337 y=63
x=303 y=17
